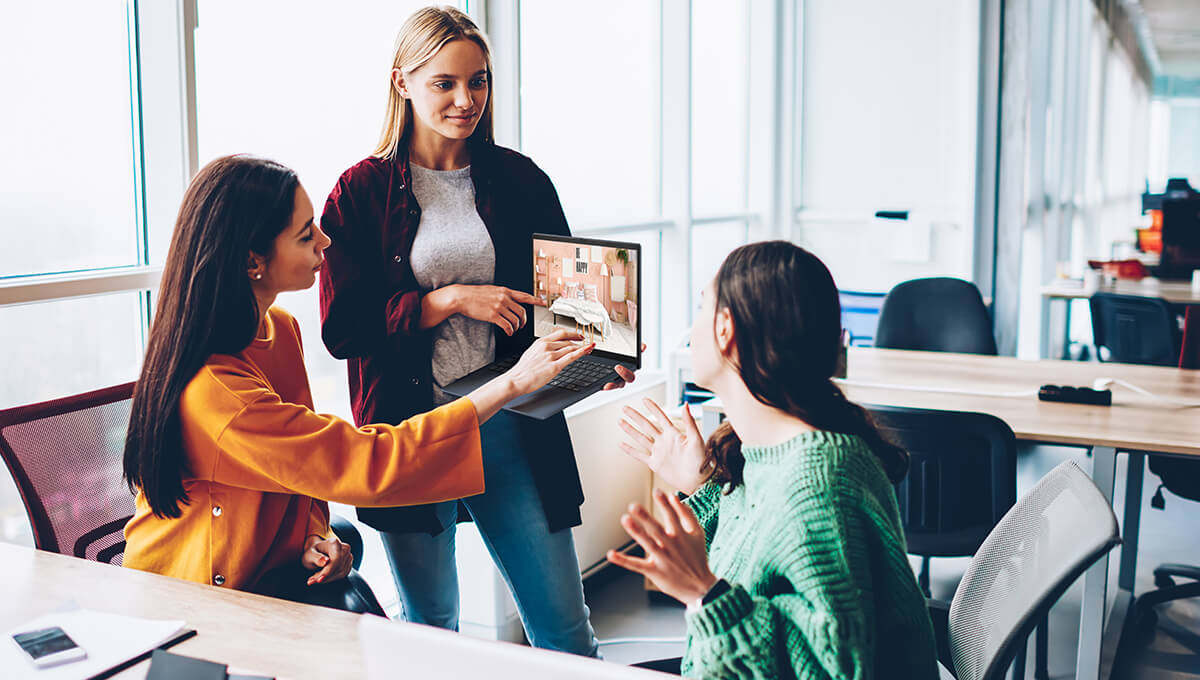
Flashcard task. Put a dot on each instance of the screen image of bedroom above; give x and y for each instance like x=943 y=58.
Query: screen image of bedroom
x=589 y=288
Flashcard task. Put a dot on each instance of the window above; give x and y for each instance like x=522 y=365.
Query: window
x=67 y=183
x=590 y=120
x=306 y=87
x=719 y=99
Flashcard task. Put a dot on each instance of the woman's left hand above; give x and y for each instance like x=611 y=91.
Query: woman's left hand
x=676 y=558
x=330 y=558
x=627 y=376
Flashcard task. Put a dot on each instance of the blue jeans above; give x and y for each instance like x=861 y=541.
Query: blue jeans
x=539 y=566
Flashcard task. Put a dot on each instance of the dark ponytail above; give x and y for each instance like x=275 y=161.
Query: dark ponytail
x=234 y=206
x=787 y=326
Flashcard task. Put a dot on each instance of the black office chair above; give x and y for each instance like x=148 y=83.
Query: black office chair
x=1135 y=329
x=1181 y=477
x=936 y=315
x=962 y=479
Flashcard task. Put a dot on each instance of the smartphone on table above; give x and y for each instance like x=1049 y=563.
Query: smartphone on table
x=48 y=646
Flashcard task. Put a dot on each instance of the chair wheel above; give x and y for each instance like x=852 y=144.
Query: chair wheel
x=1163 y=581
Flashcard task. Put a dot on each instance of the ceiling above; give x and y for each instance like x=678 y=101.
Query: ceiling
x=1175 y=31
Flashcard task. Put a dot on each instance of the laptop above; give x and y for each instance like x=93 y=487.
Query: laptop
x=586 y=285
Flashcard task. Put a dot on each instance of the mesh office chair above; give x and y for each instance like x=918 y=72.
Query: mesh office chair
x=935 y=315
x=66 y=457
x=1135 y=329
x=1040 y=547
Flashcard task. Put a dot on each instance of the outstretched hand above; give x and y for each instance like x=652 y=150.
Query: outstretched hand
x=676 y=557
x=675 y=455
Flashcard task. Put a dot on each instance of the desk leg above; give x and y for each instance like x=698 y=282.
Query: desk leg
x=1135 y=478
x=1095 y=579
x=1066 y=348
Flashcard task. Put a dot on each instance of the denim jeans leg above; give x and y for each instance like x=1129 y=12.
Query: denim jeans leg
x=425 y=572
x=540 y=566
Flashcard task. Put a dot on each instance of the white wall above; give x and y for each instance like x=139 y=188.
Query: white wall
x=888 y=123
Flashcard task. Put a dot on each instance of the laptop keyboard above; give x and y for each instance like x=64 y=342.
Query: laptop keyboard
x=576 y=377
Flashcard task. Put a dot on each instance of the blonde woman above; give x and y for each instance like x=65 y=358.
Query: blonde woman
x=431 y=240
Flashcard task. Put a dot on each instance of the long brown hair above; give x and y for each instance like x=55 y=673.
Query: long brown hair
x=234 y=206
x=787 y=325
x=421 y=37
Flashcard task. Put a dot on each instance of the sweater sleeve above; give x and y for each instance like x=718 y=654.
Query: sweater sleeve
x=705 y=503
x=356 y=318
x=820 y=623
x=318 y=519
x=275 y=446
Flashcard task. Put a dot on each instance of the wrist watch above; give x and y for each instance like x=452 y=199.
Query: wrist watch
x=717 y=590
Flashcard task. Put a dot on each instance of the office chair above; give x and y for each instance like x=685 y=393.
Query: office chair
x=962 y=479
x=1037 y=550
x=935 y=315
x=66 y=456
x=1135 y=329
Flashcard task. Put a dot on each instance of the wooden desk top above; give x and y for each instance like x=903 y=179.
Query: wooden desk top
x=249 y=632
x=1176 y=292
x=1134 y=421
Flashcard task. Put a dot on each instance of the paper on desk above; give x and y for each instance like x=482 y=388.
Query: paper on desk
x=108 y=639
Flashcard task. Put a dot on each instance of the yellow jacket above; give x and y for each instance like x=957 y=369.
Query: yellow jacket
x=262 y=464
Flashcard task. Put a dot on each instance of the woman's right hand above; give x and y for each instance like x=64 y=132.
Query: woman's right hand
x=493 y=304
x=546 y=358
x=675 y=455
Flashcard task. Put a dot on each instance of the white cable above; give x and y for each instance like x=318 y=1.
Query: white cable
x=1106 y=383
x=643 y=640
x=936 y=388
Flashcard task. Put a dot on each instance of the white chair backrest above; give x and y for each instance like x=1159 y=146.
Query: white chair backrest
x=1052 y=534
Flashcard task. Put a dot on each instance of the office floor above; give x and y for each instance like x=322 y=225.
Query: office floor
x=622 y=610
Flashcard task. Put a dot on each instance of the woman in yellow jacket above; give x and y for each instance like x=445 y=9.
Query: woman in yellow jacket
x=231 y=465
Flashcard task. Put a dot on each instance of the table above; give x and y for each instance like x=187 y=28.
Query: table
x=1174 y=292
x=258 y=634
x=1134 y=424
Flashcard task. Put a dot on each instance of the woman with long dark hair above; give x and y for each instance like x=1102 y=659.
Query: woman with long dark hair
x=231 y=465
x=433 y=237
x=790 y=500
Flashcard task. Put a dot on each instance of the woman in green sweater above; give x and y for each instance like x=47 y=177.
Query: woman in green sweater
x=790 y=501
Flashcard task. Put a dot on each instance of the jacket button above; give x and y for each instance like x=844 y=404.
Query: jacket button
x=397 y=259
x=416 y=381
x=216 y=511
x=401 y=185
x=219 y=580
x=414 y=211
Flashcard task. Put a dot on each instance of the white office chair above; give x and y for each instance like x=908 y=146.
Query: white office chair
x=1039 y=548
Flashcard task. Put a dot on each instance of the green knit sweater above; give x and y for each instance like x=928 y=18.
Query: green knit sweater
x=821 y=586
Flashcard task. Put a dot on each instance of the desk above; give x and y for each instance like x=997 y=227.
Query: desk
x=1174 y=292
x=249 y=632
x=259 y=634
x=1134 y=424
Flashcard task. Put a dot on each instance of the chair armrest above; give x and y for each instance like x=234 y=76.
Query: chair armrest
x=939 y=614
x=348 y=533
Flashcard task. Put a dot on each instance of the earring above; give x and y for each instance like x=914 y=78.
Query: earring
x=258 y=276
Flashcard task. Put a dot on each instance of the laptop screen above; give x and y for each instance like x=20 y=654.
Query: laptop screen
x=592 y=286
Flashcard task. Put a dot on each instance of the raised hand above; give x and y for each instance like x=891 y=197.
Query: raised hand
x=676 y=558
x=675 y=455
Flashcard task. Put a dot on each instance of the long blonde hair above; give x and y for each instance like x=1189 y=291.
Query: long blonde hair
x=421 y=37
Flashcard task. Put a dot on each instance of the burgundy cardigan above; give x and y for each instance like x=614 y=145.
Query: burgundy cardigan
x=371 y=307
